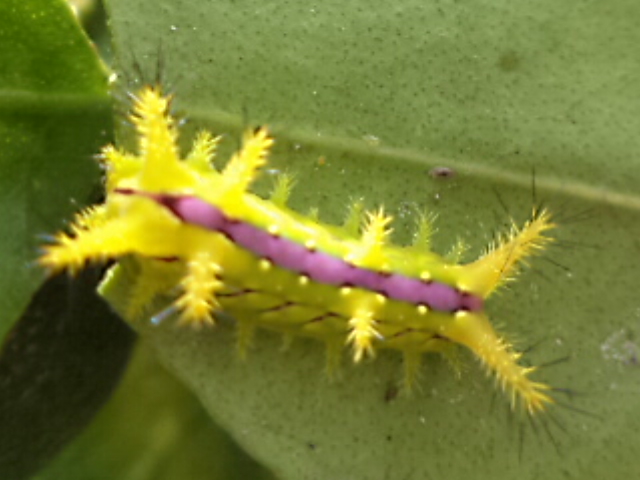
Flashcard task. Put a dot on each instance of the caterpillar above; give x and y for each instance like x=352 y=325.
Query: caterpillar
x=197 y=227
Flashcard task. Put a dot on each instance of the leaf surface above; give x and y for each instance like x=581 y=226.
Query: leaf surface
x=365 y=99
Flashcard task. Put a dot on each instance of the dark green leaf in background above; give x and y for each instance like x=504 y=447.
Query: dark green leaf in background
x=54 y=115
x=60 y=361
x=58 y=367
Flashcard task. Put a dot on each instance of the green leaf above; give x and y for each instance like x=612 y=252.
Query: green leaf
x=54 y=115
x=153 y=428
x=365 y=99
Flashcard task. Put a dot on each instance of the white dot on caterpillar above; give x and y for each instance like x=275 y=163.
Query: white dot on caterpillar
x=422 y=309
x=274 y=230
x=303 y=280
x=381 y=299
x=425 y=276
x=344 y=291
x=265 y=265
x=310 y=244
x=461 y=314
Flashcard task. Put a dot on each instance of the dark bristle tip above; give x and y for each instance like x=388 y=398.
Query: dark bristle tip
x=534 y=345
x=581 y=411
x=555 y=362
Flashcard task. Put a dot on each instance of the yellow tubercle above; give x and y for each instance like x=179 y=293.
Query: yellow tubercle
x=162 y=168
x=120 y=166
x=362 y=334
x=457 y=251
x=243 y=167
x=96 y=244
x=501 y=262
x=353 y=219
x=90 y=217
x=199 y=285
x=474 y=331
x=200 y=159
x=313 y=214
x=370 y=251
x=424 y=231
x=282 y=189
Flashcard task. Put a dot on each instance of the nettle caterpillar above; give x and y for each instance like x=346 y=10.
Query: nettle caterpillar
x=187 y=223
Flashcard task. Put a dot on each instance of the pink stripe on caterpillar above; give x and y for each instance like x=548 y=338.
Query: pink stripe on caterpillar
x=319 y=266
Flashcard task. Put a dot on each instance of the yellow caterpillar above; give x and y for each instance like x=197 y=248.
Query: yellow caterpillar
x=189 y=224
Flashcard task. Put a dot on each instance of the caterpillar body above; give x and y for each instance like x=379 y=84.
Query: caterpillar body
x=189 y=224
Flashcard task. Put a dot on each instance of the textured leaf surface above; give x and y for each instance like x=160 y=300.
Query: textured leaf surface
x=365 y=99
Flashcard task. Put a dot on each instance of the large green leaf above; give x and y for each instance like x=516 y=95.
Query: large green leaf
x=365 y=99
